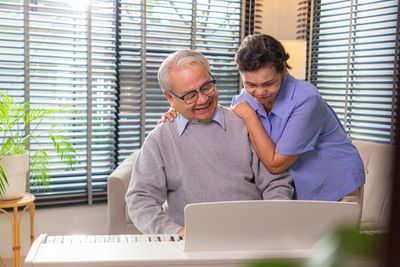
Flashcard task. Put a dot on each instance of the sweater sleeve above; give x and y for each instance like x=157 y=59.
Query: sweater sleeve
x=147 y=192
x=272 y=186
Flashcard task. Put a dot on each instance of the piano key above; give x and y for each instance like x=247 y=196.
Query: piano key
x=129 y=238
x=123 y=238
x=90 y=239
x=58 y=239
x=50 y=239
x=99 y=238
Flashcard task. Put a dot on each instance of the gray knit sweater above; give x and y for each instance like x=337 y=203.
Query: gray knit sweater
x=206 y=163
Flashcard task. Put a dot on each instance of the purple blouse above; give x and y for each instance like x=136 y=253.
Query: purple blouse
x=301 y=122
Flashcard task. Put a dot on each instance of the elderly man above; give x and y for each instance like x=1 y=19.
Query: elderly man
x=205 y=155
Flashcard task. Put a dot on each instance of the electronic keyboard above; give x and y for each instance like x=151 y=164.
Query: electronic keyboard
x=140 y=250
x=231 y=233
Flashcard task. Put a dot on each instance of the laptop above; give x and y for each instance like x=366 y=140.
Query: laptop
x=264 y=224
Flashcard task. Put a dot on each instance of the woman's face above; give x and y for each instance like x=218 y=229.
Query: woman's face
x=263 y=84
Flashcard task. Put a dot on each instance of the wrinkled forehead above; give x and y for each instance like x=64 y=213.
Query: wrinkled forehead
x=188 y=62
x=188 y=77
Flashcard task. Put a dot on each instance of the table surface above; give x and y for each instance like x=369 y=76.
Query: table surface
x=22 y=201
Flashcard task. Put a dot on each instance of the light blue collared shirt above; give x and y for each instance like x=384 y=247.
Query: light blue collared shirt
x=182 y=122
x=301 y=122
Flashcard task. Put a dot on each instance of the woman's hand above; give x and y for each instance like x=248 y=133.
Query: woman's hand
x=261 y=141
x=243 y=110
x=170 y=115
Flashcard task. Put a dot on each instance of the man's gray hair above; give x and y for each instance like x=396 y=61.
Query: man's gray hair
x=179 y=59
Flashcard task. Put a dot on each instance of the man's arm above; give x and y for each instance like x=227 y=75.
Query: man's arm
x=147 y=193
x=272 y=186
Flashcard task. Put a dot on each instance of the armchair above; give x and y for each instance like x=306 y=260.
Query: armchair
x=119 y=221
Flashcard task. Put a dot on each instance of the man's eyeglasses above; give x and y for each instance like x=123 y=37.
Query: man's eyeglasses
x=207 y=89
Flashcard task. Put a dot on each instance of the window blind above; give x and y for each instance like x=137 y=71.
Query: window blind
x=149 y=32
x=62 y=54
x=353 y=63
x=12 y=48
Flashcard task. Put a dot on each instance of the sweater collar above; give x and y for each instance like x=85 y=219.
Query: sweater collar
x=182 y=122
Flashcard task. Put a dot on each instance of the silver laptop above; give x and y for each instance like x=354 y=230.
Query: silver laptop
x=264 y=224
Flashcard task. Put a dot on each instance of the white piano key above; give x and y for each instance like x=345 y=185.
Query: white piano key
x=90 y=239
x=99 y=238
x=139 y=238
x=50 y=239
x=67 y=239
x=123 y=238
x=58 y=239
x=106 y=238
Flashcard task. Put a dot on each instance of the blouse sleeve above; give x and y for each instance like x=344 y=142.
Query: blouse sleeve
x=303 y=127
x=238 y=98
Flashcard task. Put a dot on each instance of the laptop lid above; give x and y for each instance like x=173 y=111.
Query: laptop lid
x=264 y=224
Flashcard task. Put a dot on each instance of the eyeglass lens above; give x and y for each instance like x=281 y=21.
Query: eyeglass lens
x=207 y=89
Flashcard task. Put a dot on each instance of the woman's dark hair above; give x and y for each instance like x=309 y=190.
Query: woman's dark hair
x=259 y=50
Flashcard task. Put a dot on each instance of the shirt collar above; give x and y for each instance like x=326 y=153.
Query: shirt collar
x=283 y=98
x=182 y=122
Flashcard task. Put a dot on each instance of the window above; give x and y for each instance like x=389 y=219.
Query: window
x=353 y=63
x=100 y=58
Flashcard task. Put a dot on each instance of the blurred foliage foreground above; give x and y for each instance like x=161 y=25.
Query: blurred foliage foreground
x=342 y=248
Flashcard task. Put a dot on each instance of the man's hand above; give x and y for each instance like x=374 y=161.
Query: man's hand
x=170 y=115
x=181 y=232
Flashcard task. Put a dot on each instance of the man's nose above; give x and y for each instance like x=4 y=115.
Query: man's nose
x=201 y=98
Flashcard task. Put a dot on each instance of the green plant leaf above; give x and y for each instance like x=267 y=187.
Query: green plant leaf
x=39 y=167
x=64 y=149
x=14 y=140
x=3 y=182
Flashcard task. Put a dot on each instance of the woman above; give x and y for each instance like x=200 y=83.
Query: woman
x=292 y=127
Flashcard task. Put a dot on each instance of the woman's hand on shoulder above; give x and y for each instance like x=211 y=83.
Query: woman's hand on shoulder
x=243 y=110
x=170 y=115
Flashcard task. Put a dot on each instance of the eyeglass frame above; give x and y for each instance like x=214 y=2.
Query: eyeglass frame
x=213 y=81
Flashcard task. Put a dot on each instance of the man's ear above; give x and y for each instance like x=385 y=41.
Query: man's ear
x=169 y=98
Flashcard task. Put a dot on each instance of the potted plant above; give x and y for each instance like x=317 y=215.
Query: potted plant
x=14 y=153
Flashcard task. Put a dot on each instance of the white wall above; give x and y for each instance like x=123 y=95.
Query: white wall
x=75 y=219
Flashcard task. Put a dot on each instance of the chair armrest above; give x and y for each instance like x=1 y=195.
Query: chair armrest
x=118 y=182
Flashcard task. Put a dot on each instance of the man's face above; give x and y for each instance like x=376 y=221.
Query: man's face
x=263 y=84
x=186 y=79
